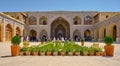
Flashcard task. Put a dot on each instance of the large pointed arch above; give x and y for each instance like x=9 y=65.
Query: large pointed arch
x=18 y=31
x=76 y=35
x=88 y=20
x=87 y=35
x=112 y=31
x=0 y=32
x=43 y=20
x=43 y=33
x=8 y=32
x=76 y=20
x=32 y=20
x=102 y=33
x=96 y=34
x=60 y=28
x=33 y=35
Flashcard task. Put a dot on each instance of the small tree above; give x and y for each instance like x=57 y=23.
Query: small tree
x=108 y=40
x=16 y=40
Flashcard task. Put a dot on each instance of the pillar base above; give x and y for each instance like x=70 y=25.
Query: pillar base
x=94 y=40
x=4 y=39
x=117 y=39
x=100 y=39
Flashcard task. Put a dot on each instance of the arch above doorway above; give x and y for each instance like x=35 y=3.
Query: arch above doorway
x=18 y=31
x=102 y=31
x=87 y=35
x=60 y=28
x=76 y=35
x=44 y=35
x=33 y=35
x=112 y=31
x=0 y=33
x=8 y=32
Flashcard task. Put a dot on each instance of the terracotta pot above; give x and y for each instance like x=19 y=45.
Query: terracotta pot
x=98 y=54
x=27 y=53
x=62 y=53
x=91 y=54
x=15 y=50
x=82 y=43
x=55 y=53
x=104 y=54
x=48 y=53
x=70 y=53
x=42 y=43
x=77 y=53
x=21 y=53
x=101 y=53
x=109 y=50
x=34 y=53
x=85 y=53
x=42 y=53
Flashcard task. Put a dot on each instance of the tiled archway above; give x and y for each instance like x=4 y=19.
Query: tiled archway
x=8 y=32
x=18 y=31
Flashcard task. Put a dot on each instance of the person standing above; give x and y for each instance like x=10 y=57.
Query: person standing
x=27 y=39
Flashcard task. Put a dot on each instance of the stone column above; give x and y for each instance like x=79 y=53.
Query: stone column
x=49 y=27
x=37 y=20
x=82 y=20
x=71 y=27
x=82 y=33
x=100 y=38
x=14 y=29
x=3 y=31
x=92 y=35
x=22 y=28
x=71 y=32
x=118 y=34
x=93 y=39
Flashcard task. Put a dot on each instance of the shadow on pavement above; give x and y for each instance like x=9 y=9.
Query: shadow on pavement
x=108 y=56
x=6 y=56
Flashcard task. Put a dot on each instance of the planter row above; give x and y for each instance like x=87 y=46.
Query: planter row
x=60 y=54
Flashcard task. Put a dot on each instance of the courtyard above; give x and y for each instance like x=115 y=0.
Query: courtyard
x=7 y=60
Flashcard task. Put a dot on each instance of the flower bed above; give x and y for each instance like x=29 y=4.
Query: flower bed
x=61 y=48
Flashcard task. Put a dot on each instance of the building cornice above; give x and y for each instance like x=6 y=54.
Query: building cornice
x=5 y=15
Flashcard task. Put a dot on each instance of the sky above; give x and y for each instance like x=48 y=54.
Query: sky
x=60 y=5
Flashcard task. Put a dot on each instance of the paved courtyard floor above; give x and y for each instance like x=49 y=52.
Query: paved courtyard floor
x=7 y=60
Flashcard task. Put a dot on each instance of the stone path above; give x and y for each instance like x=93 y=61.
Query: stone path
x=6 y=60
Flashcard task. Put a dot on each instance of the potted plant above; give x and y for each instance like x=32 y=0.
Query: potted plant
x=95 y=46
x=91 y=51
x=15 y=48
x=82 y=42
x=49 y=49
x=62 y=52
x=49 y=52
x=109 y=48
x=42 y=51
x=55 y=50
x=70 y=50
x=34 y=50
x=84 y=51
x=25 y=44
x=22 y=51
x=27 y=53
x=77 y=51
x=42 y=41
x=98 y=52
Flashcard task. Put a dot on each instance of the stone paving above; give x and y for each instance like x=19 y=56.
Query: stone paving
x=7 y=60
